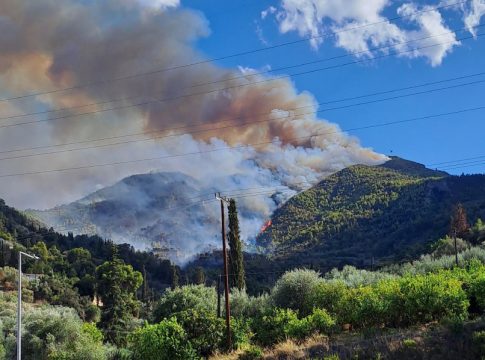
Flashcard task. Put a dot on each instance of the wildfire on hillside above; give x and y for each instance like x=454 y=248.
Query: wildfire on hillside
x=266 y=225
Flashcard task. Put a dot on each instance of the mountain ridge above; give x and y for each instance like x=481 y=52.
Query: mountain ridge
x=366 y=213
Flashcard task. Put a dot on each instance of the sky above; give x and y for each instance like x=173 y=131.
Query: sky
x=283 y=127
x=430 y=141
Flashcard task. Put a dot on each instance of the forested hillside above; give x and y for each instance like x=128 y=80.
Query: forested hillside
x=362 y=213
x=27 y=233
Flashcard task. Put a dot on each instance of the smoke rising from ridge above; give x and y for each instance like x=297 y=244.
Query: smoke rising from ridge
x=47 y=46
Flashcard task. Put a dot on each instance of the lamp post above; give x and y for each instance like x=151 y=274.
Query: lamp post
x=19 y=304
x=19 y=297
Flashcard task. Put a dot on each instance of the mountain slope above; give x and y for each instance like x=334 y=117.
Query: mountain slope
x=142 y=210
x=366 y=212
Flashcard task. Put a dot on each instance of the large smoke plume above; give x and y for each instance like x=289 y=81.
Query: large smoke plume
x=47 y=45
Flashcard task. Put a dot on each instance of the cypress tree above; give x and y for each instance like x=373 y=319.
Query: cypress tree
x=236 y=265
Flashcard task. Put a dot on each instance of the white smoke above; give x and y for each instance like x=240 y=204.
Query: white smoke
x=53 y=46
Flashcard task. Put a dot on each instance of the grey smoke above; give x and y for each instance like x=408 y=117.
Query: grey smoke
x=45 y=45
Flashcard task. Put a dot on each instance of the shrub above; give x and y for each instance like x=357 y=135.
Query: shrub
x=327 y=295
x=321 y=321
x=58 y=333
x=446 y=246
x=204 y=330
x=241 y=332
x=475 y=285
x=252 y=353
x=93 y=332
x=409 y=343
x=164 y=341
x=294 y=290
x=478 y=339
x=354 y=277
x=432 y=297
x=245 y=306
x=196 y=297
x=273 y=326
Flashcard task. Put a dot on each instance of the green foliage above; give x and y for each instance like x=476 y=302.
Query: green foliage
x=166 y=340
x=409 y=343
x=273 y=326
x=446 y=246
x=245 y=306
x=363 y=213
x=58 y=333
x=252 y=353
x=278 y=324
x=59 y=290
x=117 y=285
x=321 y=321
x=478 y=339
x=294 y=289
x=236 y=264
x=205 y=331
x=93 y=332
x=351 y=276
x=191 y=297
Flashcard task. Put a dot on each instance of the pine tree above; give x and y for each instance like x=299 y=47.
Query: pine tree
x=236 y=265
x=459 y=225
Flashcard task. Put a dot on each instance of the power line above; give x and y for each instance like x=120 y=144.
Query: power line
x=144 y=103
x=463 y=165
x=459 y=160
x=135 y=75
x=241 y=146
x=282 y=118
x=245 y=76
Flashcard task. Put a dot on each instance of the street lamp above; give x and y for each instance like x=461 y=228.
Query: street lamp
x=19 y=304
x=19 y=297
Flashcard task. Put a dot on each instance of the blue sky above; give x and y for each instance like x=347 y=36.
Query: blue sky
x=234 y=28
x=58 y=47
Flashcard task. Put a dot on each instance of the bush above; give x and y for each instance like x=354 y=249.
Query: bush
x=190 y=297
x=58 y=333
x=204 y=330
x=329 y=296
x=245 y=306
x=478 y=339
x=252 y=353
x=354 y=277
x=432 y=297
x=273 y=326
x=446 y=246
x=294 y=290
x=475 y=286
x=164 y=341
x=321 y=321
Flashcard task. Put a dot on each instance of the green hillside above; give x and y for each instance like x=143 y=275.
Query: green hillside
x=392 y=211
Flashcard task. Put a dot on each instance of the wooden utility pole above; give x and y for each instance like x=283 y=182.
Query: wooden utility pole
x=226 y=275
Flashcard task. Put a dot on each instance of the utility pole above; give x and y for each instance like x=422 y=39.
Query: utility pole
x=226 y=275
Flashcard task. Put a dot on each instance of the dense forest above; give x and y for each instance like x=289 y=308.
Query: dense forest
x=87 y=298
x=368 y=215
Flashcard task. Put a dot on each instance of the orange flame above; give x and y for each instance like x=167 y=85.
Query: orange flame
x=266 y=225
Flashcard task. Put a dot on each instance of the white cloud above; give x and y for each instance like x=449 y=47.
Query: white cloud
x=159 y=4
x=473 y=14
x=351 y=22
x=270 y=10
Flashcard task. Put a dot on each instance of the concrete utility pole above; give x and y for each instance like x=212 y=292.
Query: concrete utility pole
x=226 y=275
x=19 y=304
